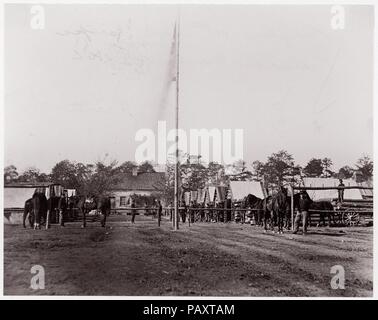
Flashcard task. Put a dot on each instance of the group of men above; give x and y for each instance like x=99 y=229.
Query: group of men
x=200 y=212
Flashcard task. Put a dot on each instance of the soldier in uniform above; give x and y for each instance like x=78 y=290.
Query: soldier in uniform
x=303 y=208
x=133 y=211
x=341 y=191
x=62 y=207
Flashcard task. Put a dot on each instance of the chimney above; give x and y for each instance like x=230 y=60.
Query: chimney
x=135 y=171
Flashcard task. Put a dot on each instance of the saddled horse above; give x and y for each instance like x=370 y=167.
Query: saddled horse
x=86 y=205
x=101 y=204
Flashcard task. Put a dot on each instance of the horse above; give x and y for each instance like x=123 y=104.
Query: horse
x=40 y=207
x=257 y=206
x=278 y=208
x=104 y=206
x=56 y=206
x=86 y=205
x=100 y=203
x=326 y=206
x=28 y=213
x=287 y=221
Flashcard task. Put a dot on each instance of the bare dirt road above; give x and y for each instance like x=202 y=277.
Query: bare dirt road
x=203 y=259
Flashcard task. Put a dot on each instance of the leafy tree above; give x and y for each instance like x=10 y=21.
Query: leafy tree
x=169 y=185
x=102 y=180
x=279 y=168
x=314 y=168
x=327 y=165
x=10 y=173
x=72 y=175
x=126 y=167
x=146 y=167
x=193 y=175
x=240 y=172
x=345 y=172
x=258 y=170
x=216 y=173
x=32 y=174
x=296 y=174
x=364 y=167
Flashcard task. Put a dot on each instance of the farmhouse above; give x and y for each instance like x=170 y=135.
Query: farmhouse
x=136 y=184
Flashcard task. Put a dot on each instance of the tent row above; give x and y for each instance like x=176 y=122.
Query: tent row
x=237 y=190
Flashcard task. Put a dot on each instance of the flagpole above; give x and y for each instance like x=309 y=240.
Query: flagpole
x=176 y=220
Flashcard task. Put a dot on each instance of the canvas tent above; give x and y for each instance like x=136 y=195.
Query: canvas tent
x=352 y=194
x=15 y=194
x=201 y=198
x=193 y=195
x=16 y=197
x=240 y=189
x=220 y=193
x=211 y=193
x=366 y=193
x=187 y=198
x=71 y=192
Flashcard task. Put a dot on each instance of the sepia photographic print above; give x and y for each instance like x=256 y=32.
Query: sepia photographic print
x=188 y=150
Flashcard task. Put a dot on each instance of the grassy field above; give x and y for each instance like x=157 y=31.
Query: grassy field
x=211 y=259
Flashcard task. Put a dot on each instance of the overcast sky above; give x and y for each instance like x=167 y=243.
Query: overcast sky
x=80 y=88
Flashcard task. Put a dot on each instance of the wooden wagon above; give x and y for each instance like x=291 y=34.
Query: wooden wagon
x=347 y=212
x=354 y=212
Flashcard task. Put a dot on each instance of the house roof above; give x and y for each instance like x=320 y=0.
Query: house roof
x=27 y=184
x=146 y=181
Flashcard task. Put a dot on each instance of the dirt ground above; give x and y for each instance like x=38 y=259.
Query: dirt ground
x=205 y=259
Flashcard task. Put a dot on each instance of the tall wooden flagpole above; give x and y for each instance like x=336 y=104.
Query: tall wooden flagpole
x=176 y=220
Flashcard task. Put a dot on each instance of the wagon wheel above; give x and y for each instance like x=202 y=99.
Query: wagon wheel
x=351 y=218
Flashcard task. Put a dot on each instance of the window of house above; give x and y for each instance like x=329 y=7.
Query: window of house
x=122 y=201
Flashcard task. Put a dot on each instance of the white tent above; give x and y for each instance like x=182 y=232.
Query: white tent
x=366 y=193
x=201 y=195
x=353 y=194
x=71 y=192
x=240 y=189
x=16 y=197
x=211 y=193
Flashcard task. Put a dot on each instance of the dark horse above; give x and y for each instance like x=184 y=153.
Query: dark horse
x=256 y=205
x=87 y=204
x=39 y=202
x=28 y=213
x=277 y=206
x=56 y=207
x=328 y=208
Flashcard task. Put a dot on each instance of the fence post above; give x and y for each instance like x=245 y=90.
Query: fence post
x=292 y=207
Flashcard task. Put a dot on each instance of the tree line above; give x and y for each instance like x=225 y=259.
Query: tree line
x=279 y=168
x=92 y=179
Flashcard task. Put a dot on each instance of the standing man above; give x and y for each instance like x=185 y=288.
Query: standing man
x=303 y=207
x=170 y=210
x=341 y=191
x=62 y=207
x=133 y=211
x=160 y=210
